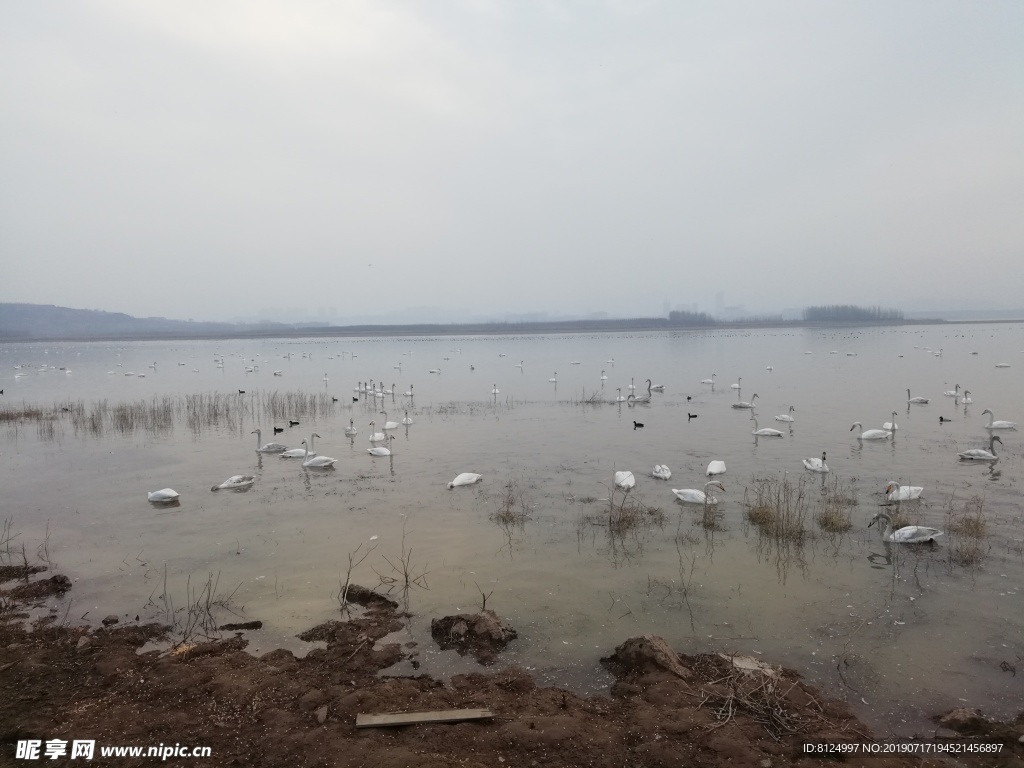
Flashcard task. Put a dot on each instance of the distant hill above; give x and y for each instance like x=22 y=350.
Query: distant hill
x=46 y=322
x=25 y=322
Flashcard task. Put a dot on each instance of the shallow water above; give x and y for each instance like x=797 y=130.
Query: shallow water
x=898 y=632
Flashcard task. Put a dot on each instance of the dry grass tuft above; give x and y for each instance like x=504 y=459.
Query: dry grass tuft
x=834 y=505
x=779 y=507
x=968 y=523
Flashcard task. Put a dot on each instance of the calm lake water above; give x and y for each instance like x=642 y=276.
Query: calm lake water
x=899 y=632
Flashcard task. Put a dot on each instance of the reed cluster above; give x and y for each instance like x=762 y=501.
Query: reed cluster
x=778 y=507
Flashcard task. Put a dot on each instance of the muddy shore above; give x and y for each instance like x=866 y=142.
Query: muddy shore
x=665 y=709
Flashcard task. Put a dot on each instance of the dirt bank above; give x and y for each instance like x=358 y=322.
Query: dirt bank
x=277 y=710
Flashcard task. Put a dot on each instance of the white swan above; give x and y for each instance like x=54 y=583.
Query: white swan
x=896 y=492
x=765 y=431
x=891 y=425
x=407 y=421
x=389 y=424
x=620 y=398
x=235 y=482
x=911 y=534
x=380 y=450
x=716 y=468
x=662 y=472
x=554 y=378
x=737 y=385
x=966 y=398
x=744 y=403
x=376 y=437
x=631 y=384
x=625 y=480
x=955 y=392
x=917 y=400
x=495 y=391
x=655 y=387
x=603 y=377
x=643 y=399
x=317 y=462
x=350 y=430
x=693 y=496
x=816 y=465
x=871 y=434
x=301 y=453
x=163 y=495
x=992 y=424
x=269 y=447
x=786 y=416
x=519 y=364
x=408 y=392
x=980 y=454
x=465 y=478
x=709 y=381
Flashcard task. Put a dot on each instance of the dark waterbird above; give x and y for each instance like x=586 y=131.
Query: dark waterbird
x=278 y=429
x=691 y=416
x=292 y=423
x=637 y=425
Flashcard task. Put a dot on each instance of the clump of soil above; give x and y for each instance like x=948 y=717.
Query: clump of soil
x=62 y=682
x=481 y=634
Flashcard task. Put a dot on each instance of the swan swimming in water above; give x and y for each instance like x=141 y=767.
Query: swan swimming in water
x=269 y=447
x=301 y=453
x=465 y=478
x=955 y=392
x=407 y=421
x=163 y=495
x=910 y=534
x=350 y=430
x=235 y=483
x=693 y=496
x=662 y=472
x=765 y=431
x=896 y=492
x=871 y=434
x=619 y=398
x=643 y=399
x=966 y=397
x=786 y=416
x=745 y=404
x=495 y=391
x=980 y=454
x=603 y=377
x=625 y=480
x=389 y=424
x=891 y=425
x=997 y=424
x=917 y=400
x=376 y=437
x=817 y=465
x=716 y=468
x=739 y=381
x=317 y=462
x=380 y=450
x=709 y=381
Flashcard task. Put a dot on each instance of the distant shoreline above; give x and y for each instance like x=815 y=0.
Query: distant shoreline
x=481 y=329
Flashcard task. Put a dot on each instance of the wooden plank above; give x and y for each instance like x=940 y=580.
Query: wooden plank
x=410 y=718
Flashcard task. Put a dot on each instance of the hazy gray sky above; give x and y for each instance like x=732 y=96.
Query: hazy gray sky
x=218 y=160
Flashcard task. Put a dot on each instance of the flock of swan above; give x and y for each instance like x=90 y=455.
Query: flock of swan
x=382 y=445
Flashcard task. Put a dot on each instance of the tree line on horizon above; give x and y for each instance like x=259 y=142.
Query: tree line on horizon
x=847 y=313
